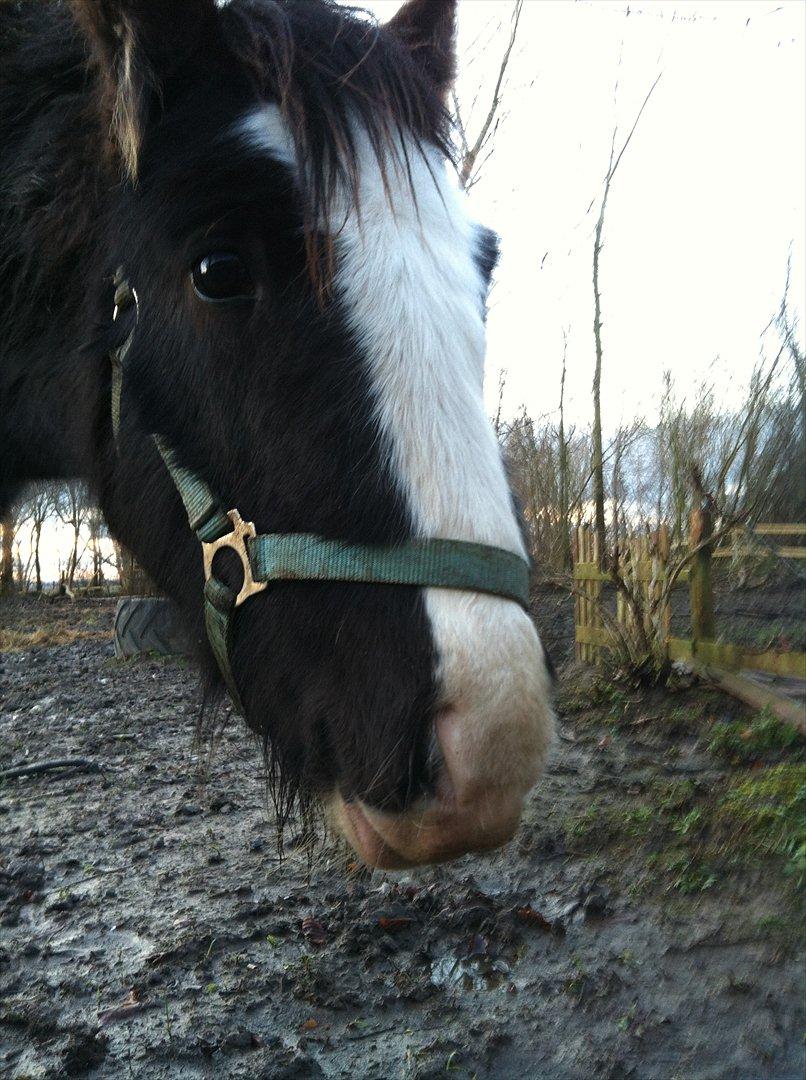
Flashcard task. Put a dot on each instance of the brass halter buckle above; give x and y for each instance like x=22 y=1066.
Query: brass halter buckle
x=241 y=532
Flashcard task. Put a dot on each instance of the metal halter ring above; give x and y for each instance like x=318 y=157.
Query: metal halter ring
x=236 y=540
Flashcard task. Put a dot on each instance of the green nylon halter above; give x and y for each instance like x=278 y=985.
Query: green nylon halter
x=446 y=564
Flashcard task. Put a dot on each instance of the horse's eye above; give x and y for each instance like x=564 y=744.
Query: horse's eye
x=222 y=275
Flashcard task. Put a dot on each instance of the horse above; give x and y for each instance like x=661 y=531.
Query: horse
x=238 y=273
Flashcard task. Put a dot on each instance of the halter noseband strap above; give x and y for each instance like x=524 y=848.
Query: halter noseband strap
x=445 y=564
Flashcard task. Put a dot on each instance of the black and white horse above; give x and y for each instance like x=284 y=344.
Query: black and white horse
x=310 y=339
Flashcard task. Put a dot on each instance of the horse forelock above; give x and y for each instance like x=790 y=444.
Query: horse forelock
x=334 y=72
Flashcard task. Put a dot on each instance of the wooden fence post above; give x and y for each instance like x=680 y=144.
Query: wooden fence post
x=595 y=592
x=587 y=612
x=700 y=589
x=664 y=615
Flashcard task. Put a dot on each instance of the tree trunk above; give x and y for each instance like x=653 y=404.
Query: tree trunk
x=72 y=562
x=7 y=564
x=597 y=462
x=37 y=564
x=565 y=523
x=96 y=527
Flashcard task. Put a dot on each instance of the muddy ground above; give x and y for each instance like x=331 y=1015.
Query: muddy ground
x=643 y=923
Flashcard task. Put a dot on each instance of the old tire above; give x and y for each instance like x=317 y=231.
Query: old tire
x=148 y=624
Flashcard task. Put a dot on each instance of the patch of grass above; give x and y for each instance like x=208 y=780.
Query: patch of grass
x=690 y=823
x=638 y=821
x=576 y=983
x=17 y=640
x=689 y=875
x=674 y=795
x=740 y=742
x=691 y=840
x=773 y=926
x=667 y=805
x=598 y=693
x=592 y=829
x=763 y=814
x=583 y=824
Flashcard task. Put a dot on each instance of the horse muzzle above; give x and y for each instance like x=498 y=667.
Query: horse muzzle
x=471 y=810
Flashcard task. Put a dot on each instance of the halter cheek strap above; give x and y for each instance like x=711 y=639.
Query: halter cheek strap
x=269 y=557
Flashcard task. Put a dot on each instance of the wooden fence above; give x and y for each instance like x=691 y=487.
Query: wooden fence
x=645 y=566
x=741 y=541
x=643 y=563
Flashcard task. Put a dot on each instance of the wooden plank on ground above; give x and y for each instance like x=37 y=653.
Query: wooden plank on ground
x=792 y=552
x=760 y=697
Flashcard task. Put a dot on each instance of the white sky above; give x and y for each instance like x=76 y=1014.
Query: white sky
x=707 y=201
x=703 y=210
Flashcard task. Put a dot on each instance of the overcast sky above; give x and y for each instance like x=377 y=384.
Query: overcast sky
x=705 y=206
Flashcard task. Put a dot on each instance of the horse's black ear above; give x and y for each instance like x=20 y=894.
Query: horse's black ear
x=428 y=30
x=130 y=42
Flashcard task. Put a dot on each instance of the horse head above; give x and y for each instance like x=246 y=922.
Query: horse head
x=308 y=337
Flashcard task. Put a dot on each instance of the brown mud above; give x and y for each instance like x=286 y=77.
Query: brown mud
x=642 y=924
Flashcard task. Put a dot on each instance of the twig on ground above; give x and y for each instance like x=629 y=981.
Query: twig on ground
x=37 y=767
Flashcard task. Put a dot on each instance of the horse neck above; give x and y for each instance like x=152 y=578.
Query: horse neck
x=50 y=271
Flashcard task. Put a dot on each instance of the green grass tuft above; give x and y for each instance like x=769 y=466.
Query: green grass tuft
x=741 y=743
x=763 y=814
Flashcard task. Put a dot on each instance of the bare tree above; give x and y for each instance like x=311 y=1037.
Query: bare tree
x=38 y=507
x=96 y=527
x=475 y=147
x=598 y=457
x=73 y=509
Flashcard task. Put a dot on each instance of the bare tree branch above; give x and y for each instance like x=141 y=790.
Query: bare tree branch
x=470 y=166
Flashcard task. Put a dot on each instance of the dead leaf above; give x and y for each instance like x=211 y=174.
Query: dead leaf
x=394 y=922
x=314 y=931
x=534 y=918
x=130 y=1006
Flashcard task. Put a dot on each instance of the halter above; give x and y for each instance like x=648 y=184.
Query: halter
x=268 y=557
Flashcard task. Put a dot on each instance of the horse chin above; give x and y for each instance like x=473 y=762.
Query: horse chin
x=432 y=834
x=352 y=822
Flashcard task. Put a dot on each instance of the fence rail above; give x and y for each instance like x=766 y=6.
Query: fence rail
x=765 y=528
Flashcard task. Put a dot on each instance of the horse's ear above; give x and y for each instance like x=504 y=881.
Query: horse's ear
x=130 y=41
x=428 y=30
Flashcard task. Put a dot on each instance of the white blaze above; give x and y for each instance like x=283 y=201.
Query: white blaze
x=413 y=294
x=412 y=290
